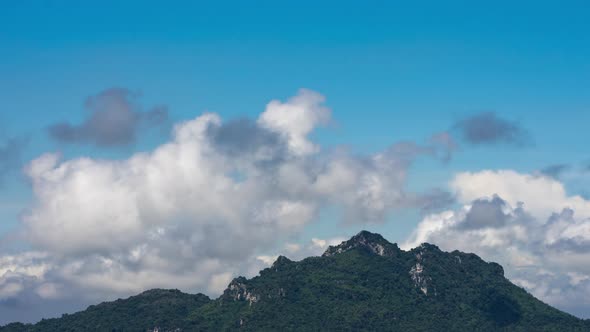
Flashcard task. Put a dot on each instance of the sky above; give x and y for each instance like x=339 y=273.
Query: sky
x=179 y=145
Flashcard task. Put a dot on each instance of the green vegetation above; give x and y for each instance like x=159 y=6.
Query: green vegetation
x=156 y=307
x=365 y=283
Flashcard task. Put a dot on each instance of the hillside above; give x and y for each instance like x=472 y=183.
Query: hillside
x=365 y=283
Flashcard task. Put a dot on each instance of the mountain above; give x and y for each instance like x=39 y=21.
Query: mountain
x=365 y=283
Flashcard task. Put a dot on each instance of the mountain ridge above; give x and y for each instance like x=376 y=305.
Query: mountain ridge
x=364 y=283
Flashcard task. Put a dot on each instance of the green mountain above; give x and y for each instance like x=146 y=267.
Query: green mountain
x=365 y=283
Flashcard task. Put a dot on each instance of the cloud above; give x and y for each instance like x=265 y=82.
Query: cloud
x=114 y=119
x=489 y=128
x=296 y=118
x=526 y=223
x=542 y=196
x=244 y=138
x=434 y=200
x=486 y=213
x=204 y=206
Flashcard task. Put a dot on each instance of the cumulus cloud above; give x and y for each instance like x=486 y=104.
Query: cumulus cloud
x=205 y=206
x=16 y=270
x=434 y=200
x=526 y=223
x=114 y=119
x=296 y=118
x=244 y=137
x=489 y=128
x=542 y=196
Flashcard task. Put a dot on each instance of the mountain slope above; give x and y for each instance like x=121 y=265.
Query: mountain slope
x=365 y=283
x=154 y=308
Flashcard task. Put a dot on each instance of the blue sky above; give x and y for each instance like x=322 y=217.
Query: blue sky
x=390 y=72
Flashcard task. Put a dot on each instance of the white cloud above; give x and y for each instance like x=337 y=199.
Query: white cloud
x=199 y=208
x=532 y=227
x=20 y=271
x=296 y=118
x=542 y=195
x=28 y=263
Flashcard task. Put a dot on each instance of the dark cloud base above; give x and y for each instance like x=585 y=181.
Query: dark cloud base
x=115 y=119
x=489 y=128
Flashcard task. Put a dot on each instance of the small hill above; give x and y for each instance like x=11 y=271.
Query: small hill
x=162 y=308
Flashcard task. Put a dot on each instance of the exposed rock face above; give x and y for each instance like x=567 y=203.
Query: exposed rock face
x=417 y=272
x=374 y=243
x=238 y=291
x=419 y=279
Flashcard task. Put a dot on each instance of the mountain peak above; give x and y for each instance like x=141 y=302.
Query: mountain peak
x=372 y=242
x=364 y=234
x=426 y=247
x=281 y=260
x=376 y=287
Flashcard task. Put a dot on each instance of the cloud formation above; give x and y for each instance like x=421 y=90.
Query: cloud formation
x=489 y=128
x=526 y=223
x=114 y=119
x=295 y=119
x=204 y=206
